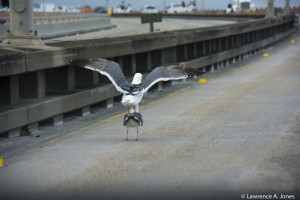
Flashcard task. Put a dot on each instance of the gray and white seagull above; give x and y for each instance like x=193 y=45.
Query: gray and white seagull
x=133 y=92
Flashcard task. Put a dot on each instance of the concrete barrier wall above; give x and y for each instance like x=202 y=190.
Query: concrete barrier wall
x=210 y=16
x=39 y=84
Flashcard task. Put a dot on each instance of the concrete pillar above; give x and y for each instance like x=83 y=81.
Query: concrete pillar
x=162 y=57
x=219 y=45
x=149 y=67
x=204 y=48
x=14 y=90
x=214 y=45
x=159 y=86
x=120 y=61
x=133 y=64
x=249 y=38
x=33 y=84
x=270 y=10
x=195 y=49
x=174 y=54
x=41 y=83
x=238 y=43
x=226 y=43
x=71 y=78
x=95 y=78
x=21 y=24
x=210 y=47
x=85 y=111
x=185 y=51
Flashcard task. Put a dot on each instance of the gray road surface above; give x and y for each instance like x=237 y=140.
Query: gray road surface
x=132 y=26
x=235 y=136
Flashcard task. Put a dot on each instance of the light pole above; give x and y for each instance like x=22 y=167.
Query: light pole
x=270 y=10
x=287 y=7
x=106 y=4
x=21 y=24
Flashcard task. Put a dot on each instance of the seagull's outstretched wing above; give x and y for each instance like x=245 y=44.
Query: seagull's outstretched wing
x=166 y=73
x=108 y=68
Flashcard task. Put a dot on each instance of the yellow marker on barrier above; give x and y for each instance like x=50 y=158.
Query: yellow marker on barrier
x=1 y=162
x=293 y=41
x=109 y=11
x=202 y=80
x=266 y=54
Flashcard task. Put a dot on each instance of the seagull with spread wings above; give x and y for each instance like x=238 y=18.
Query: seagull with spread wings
x=133 y=92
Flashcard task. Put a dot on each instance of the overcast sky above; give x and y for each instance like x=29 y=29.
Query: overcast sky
x=138 y=4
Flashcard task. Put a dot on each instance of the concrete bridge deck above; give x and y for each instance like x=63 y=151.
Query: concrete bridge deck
x=235 y=136
x=125 y=26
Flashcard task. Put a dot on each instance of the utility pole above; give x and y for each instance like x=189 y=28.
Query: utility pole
x=270 y=10
x=21 y=30
x=202 y=6
x=238 y=6
x=287 y=7
x=165 y=6
x=106 y=4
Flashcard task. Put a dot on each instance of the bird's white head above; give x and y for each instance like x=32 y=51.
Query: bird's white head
x=137 y=79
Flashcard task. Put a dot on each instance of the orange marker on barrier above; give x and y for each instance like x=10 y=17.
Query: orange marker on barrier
x=293 y=41
x=1 y=162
